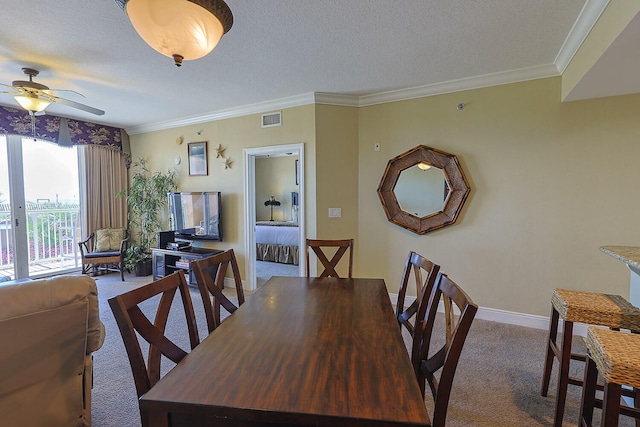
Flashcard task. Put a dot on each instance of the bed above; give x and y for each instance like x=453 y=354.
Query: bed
x=277 y=241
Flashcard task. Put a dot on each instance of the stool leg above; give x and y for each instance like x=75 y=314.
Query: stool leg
x=563 y=372
x=636 y=402
x=588 y=393
x=611 y=405
x=548 y=362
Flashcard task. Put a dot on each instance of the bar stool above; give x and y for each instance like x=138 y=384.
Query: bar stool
x=592 y=308
x=616 y=356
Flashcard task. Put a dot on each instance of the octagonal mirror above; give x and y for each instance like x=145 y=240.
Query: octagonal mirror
x=423 y=189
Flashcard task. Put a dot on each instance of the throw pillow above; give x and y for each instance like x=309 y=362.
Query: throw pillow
x=108 y=239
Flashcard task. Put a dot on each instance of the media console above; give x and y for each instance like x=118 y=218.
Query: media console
x=167 y=261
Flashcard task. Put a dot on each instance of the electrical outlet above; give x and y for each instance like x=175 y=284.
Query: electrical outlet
x=376 y=146
x=335 y=212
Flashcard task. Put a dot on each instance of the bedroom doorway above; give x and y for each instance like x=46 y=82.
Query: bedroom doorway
x=276 y=256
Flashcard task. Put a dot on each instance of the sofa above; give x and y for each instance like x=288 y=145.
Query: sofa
x=48 y=330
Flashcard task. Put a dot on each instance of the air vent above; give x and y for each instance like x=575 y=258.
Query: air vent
x=272 y=119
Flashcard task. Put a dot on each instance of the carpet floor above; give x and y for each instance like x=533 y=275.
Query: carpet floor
x=497 y=382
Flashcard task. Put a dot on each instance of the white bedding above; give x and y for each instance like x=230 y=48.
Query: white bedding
x=277 y=234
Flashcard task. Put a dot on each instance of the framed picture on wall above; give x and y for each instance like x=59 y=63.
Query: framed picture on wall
x=198 y=158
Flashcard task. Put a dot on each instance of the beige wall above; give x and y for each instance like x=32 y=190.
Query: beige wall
x=337 y=175
x=236 y=134
x=551 y=183
x=275 y=176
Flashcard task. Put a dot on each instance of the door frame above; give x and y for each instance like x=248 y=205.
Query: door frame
x=17 y=202
x=250 y=155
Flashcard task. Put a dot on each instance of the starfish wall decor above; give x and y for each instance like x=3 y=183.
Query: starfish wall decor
x=220 y=151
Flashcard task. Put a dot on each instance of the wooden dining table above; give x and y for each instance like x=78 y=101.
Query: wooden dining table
x=299 y=352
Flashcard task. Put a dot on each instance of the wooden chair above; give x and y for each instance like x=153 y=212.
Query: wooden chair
x=427 y=361
x=330 y=265
x=210 y=273
x=104 y=250
x=424 y=274
x=132 y=323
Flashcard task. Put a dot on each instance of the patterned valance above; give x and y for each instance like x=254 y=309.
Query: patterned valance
x=59 y=130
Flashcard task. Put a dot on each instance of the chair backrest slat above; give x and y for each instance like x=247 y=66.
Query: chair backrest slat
x=419 y=266
x=330 y=265
x=427 y=361
x=132 y=323
x=210 y=273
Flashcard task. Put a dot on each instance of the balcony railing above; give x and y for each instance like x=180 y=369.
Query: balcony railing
x=53 y=231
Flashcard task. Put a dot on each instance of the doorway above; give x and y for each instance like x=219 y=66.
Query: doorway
x=250 y=157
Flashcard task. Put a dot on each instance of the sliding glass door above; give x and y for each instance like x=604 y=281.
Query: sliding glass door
x=39 y=208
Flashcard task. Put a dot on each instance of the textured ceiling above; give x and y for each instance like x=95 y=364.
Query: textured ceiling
x=276 y=49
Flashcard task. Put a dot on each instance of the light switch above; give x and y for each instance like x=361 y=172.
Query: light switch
x=335 y=212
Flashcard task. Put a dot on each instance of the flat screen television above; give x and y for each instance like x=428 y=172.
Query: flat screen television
x=196 y=215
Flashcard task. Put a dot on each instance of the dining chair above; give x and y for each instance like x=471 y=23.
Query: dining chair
x=424 y=275
x=210 y=273
x=330 y=265
x=133 y=323
x=428 y=354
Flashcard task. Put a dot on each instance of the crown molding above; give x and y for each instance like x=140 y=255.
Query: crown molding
x=487 y=80
x=337 y=99
x=581 y=28
x=245 y=110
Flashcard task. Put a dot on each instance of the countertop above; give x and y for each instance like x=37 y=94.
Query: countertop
x=627 y=254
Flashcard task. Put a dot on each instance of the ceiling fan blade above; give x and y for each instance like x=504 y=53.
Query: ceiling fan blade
x=77 y=105
x=53 y=91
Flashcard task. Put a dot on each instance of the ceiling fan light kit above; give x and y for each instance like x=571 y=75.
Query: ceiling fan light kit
x=31 y=102
x=179 y=29
x=35 y=97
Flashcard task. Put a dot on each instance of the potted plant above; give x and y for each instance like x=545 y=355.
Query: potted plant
x=146 y=198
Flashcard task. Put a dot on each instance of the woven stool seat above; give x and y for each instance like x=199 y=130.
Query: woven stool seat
x=617 y=355
x=612 y=311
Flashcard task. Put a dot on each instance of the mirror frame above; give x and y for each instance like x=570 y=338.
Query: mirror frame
x=458 y=189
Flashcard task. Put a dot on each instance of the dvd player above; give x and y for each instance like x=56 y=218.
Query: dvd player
x=178 y=246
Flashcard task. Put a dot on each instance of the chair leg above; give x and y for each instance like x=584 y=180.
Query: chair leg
x=588 y=399
x=563 y=372
x=121 y=268
x=548 y=363
x=611 y=405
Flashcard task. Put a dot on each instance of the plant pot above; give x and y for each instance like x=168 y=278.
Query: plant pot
x=143 y=268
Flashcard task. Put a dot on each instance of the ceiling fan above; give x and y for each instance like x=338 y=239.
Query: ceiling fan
x=35 y=97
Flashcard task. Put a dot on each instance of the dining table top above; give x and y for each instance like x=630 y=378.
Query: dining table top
x=299 y=351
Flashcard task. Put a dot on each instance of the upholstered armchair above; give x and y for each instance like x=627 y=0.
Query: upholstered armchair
x=104 y=250
x=48 y=329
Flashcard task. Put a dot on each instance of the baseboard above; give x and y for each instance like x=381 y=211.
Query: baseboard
x=509 y=317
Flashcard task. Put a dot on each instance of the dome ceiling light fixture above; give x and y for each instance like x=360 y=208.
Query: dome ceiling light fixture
x=179 y=29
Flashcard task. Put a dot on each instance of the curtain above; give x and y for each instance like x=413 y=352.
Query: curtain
x=104 y=175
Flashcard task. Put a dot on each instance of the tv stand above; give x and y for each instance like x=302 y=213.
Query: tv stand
x=164 y=261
